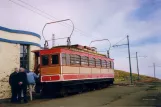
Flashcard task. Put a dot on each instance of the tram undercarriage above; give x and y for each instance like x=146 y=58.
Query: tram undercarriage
x=65 y=88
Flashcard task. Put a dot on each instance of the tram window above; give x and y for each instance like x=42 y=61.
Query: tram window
x=55 y=59
x=98 y=63
x=108 y=64
x=75 y=60
x=67 y=59
x=104 y=63
x=72 y=59
x=112 y=65
x=84 y=60
x=45 y=60
x=64 y=59
x=91 y=62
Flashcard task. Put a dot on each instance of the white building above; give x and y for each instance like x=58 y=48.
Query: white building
x=15 y=51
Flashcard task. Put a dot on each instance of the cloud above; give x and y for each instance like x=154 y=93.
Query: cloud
x=111 y=19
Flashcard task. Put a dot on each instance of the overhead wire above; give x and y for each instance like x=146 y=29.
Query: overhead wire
x=120 y=41
x=29 y=9
x=78 y=30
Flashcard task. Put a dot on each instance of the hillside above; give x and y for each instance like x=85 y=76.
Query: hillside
x=124 y=77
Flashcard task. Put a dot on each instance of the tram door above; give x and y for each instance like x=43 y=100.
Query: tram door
x=37 y=71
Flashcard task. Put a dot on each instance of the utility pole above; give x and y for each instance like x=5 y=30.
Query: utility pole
x=129 y=57
x=137 y=63
x=128 y=44
x=154 y=67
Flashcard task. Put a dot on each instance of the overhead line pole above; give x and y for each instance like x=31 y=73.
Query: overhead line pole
x=129 y=57
x=154 y=66
x=154 y=69
x=137 y=63
x=128 y=44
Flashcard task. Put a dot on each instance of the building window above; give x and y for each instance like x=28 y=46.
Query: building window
x=24 y=56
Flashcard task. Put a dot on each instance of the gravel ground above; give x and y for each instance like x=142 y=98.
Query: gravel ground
x=113 y=96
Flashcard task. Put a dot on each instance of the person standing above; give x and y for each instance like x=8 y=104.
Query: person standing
x=22 y=81
x=13 y=81
x=31 y=76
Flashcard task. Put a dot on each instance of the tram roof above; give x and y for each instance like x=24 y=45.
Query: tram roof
x=74 y=48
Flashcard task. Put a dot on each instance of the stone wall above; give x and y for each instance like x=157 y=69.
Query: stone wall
x=9 y=59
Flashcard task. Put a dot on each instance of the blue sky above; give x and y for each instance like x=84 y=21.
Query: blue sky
x=146 y=9
x=146 y=12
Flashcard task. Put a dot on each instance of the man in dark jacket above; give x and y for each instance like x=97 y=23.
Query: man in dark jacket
x=13 y=81
x=22 y=81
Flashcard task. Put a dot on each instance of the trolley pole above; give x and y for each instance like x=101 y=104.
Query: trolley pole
x=129 y=58
x=137 y=63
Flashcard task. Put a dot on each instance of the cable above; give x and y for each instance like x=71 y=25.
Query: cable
x=29 y=9
x=82 y=32
x=42 y=11
x=120 y=40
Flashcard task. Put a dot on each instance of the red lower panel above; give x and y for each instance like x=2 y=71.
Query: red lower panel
x=86 y=76
x=53 y=78
x=50 y=78
x=70 y=77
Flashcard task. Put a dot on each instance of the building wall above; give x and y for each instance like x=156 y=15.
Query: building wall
x=31 y=56
x=8 y=61
x=10 y=41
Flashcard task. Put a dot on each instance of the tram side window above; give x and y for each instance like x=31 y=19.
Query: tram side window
x=55 y=59
x=98 y=63
x=64 y=59
x=72 y=59
x=111 y=65
x=67 y=59
x=45 y=60
x=108 y=64
x=84 y=60
x=104 y=64
x=91 y=62
x=75 y=60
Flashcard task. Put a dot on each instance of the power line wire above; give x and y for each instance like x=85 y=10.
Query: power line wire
x=82 y=32
x=120 y=40
x=29 y=9
x=42 y=11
